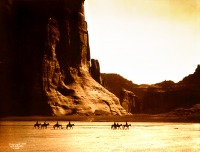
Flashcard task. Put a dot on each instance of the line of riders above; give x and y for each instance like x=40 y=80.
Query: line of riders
x=57 y=125
x=115 y=126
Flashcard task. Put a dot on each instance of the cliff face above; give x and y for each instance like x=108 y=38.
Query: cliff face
x=45 y=62
x=95 y=71
x=167 y=95
x=130 y=101
x=157 y=98
x=125 y=90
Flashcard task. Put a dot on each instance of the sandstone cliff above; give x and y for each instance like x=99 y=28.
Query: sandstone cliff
x=45 y=61
x=161 y=97
x=130 y=94
x=167 y=95
x=130 y=101
x=95 y=71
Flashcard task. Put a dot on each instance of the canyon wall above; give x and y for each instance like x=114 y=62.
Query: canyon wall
x=45 y=61
x=130 y=101
x=157 y=98
x=130 y=94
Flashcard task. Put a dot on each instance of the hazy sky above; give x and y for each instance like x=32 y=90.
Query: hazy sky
x=146 y=41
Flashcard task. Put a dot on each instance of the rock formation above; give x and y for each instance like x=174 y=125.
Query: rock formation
x=167 y=95
x=95 y=71
x=161 y=97
x=130 y=101
x=125 y=90
x=46 y=63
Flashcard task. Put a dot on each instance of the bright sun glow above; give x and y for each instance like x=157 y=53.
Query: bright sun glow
x=146 y=41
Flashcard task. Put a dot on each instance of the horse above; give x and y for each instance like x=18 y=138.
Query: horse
x=126 y=126
x=57 y=126
x=69 y=126
x=37 y=125
x=113 y=126
x=44 y=125
x=116 y=126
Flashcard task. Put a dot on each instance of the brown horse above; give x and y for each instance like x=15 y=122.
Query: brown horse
x=44 y=125
x=37 y=125
x=69 y=126
x=116 y=126
x=58 y=126
x=126 y=126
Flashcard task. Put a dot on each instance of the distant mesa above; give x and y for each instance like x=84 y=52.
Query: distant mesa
x=163 y=97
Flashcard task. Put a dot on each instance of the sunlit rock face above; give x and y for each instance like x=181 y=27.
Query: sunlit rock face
x=130 y=101
x=47 y=62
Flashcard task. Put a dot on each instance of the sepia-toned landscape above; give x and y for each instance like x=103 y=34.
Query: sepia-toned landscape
x=48 y=76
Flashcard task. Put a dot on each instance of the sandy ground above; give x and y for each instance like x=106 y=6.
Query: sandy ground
x=21 y=136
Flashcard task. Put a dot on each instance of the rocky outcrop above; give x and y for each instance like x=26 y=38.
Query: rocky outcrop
x=49 y=68
x=192 y=80
x=161 y=97
x=167 y=95
x=124 y=90
x=95 y=71
x=115 y=83
x=130 y=101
